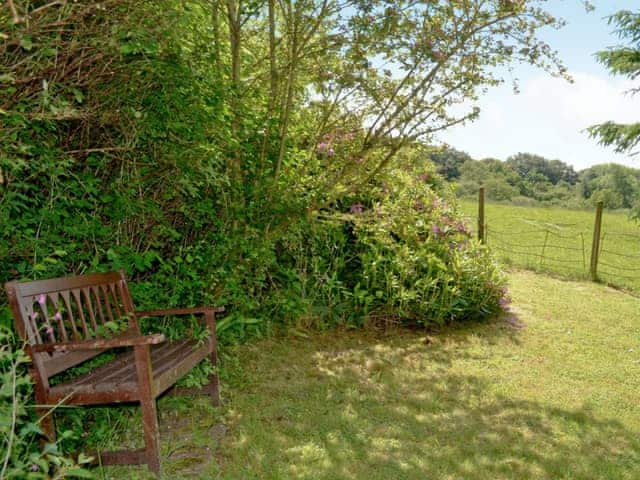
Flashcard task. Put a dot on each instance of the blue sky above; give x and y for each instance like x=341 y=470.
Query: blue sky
x=549 y=114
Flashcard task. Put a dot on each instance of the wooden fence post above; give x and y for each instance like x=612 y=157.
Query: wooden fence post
x=595 y=245
x=481 y=225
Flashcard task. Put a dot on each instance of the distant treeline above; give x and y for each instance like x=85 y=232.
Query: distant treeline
x=525 y=178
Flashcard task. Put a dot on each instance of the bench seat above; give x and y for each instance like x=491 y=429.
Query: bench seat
x=169 y=362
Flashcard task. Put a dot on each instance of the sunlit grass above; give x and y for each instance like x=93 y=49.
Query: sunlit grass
x=519 y=236
x=549 y=393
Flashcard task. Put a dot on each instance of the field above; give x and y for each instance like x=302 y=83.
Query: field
x=549 y=392
x=559 y=241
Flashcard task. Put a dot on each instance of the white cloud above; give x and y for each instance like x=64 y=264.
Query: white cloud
x=548 y=117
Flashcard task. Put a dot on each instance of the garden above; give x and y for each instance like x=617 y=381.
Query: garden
x=272 y=159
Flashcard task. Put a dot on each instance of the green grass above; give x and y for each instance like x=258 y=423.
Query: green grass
x=520 y=236
x=550 y=392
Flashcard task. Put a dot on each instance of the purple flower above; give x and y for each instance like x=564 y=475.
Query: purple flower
x=504 y=301
x=57 y=316
x=34 y=316
x=49 y=330
x=34 y=467
x=436 y=230
x=461 y=227
x=322 y=146
x=356 y=208
x=42 y=299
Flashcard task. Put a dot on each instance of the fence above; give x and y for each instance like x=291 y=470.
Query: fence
x=580 y=249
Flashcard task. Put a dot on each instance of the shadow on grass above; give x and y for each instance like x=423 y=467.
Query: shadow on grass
x=356 y=405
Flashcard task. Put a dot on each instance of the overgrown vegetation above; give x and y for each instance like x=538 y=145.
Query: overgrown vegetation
x=236 y=152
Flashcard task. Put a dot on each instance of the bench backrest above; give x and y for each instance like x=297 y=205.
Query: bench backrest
x=69 y=309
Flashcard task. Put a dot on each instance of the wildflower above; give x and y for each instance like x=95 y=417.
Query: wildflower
x=34 y=467
x=504 y=302
x=436 y=230
x=57 y=316
x=460 y=226
x=49 y=330
x=356 y=208
x=34 y=316
x=322 y=146
x=42 y=299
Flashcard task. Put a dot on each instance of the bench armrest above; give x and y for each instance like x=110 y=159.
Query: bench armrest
x=178 y=311
x=100 y=343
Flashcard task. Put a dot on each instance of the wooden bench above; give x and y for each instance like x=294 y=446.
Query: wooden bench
x=64 y=321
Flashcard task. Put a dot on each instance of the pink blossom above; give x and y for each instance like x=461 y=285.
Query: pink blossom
x=42 y=299
x=57 y=316
x=356 y=208
x=34 y=316
x=49 y=330
x=436 y=230
x=34 y=467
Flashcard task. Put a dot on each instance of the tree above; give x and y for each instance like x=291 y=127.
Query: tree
x=622 y=60
x=449 y=162
x=332 y=90
x=529 y=165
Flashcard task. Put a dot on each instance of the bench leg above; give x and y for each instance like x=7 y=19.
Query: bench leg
x=151 y=437
x=214 y=381
x=45 y=415
x=47 y=424
x=214 y=388
x=142 y=355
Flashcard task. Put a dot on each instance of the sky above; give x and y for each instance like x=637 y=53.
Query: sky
x=549 y=115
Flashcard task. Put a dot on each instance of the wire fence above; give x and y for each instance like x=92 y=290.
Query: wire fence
x=572 y=249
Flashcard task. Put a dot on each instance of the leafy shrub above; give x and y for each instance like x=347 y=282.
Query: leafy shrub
x=419 y=262
x=20 y=454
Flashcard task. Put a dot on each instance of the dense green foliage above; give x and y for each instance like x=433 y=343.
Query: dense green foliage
x=622 y=60
x=18 y=457
x=528 y=179
x=235 y=153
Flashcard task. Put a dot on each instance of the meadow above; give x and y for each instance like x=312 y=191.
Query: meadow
x=558 y=241
x=538 y=393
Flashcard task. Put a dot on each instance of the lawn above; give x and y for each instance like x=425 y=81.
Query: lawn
x=558 y=240
x=549 y=392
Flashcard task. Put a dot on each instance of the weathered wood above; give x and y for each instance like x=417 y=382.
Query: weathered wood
x=178 y=311
x=595 y=244
x=121 y=457
x=128 y=340
x=481 y=223
x=60 y=320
